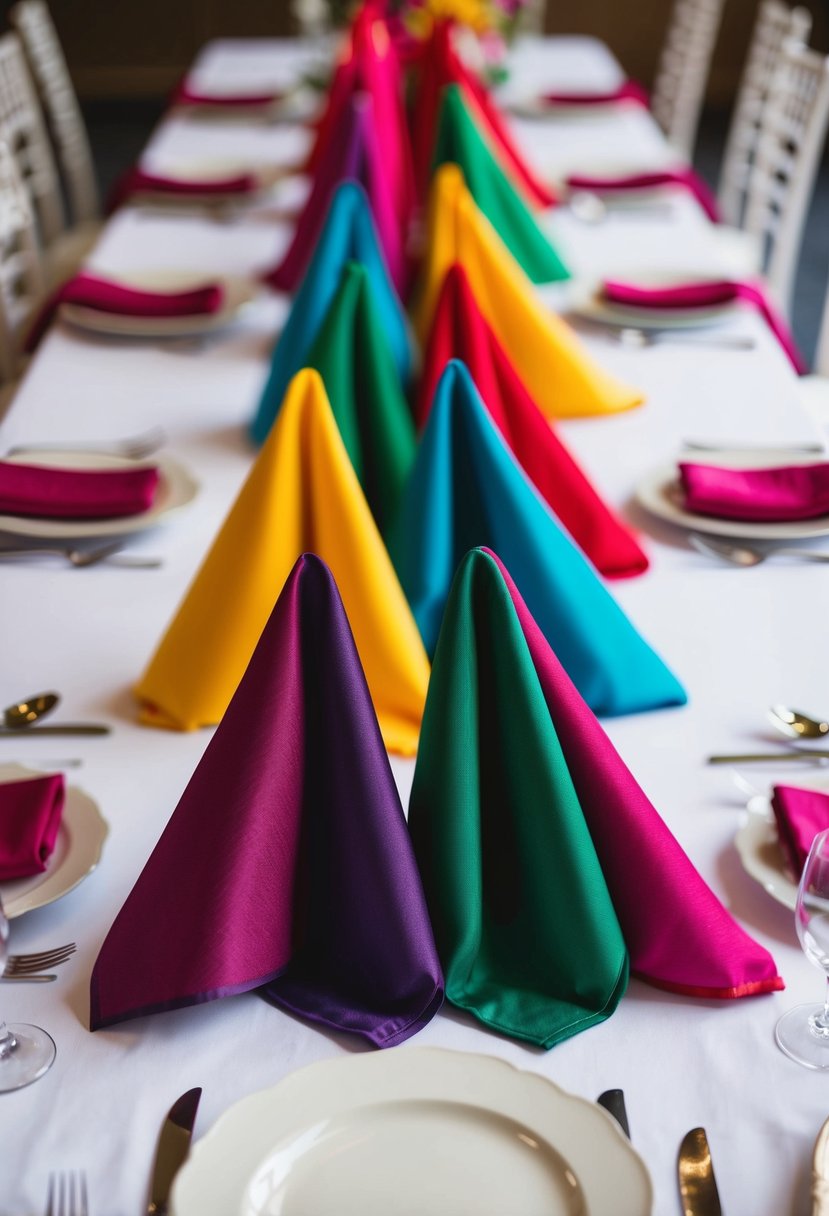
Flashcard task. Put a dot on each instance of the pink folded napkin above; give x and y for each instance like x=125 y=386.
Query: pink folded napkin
x=707 y=295
x=686 y=178
x=29 y=489
x=138 y=181
x=800 y=816
x=185 y=95
x=30 y=812
x=629 y=91
x=773 y=495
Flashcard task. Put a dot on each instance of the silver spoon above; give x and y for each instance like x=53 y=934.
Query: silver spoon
x=89 y=557
x=745 y=556
x=588 y=208
x=637 y=339
x=22 y=714
x=796 y=725
x=133 y=447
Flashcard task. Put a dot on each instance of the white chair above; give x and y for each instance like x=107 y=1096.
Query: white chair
x=682 y=73
x=21 y=273
x=776 y=23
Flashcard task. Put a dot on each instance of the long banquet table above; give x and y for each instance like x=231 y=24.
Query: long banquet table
x=738 y=640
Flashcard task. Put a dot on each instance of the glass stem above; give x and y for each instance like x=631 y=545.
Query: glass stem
x=8 y=1042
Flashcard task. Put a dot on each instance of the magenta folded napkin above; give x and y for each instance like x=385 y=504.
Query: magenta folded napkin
x=686 y=178
x=800 y=815
x=185 y=95
x=629 y=91
x=30 y=813
x=29 y=489
x=139 y=181
x=772 y=495
x=707 y=295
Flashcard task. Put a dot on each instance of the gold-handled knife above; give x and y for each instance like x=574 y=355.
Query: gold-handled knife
x=820 y=1173
x=697 y=1184
x=173 y=1147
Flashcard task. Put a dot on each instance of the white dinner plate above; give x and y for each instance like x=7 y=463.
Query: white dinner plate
x=660 y=493
x=413 y=1131
x=175 y=489
x=238 y=293
x=77 y=851
x=758 y=847
x=588 y=302
x=209 y=171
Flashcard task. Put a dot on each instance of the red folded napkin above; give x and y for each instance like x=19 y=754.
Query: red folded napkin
x=772 y=495
x=648 y=181
x=707 y=295
x=139 y=181
x=29 y=489
x=30 y=812
x=800 y=815
x=629 y=91
x=185 y=95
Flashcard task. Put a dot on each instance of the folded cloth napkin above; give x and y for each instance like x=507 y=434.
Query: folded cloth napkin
x=437 y=65
x=459 y=141
x=352 y=354
x=800 y=815
x=356 y=153
x=186 y=95
x=459 y=331
x=466 y=489
x=774 y=494
x=349 y=235
x=630 y=90
x=708 y=295
x=38 y=490
x=141 y=181
x=301 y=492
x=560 y=375
x=30 y=813
x=686 y=178
x=678 y=934
x=286 y=866
x=524 y=924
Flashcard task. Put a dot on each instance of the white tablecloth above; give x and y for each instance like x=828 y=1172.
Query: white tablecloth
x=739 y=641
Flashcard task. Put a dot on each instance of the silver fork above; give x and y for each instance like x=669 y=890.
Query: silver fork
x=89 y=557
x=636 y=339
x=133 y=447
x=25 y=964
x=67 y=1194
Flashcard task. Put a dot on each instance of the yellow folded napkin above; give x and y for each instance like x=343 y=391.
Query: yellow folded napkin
x=559 y=373
x=302 y=495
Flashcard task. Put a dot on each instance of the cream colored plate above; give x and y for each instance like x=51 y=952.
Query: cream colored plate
x=77 y=852
x=176 y=488
x=193 y=172
x=413 y=1131
x=660 y=493
x=759 y=851
x=238 y=292
x=588 y=303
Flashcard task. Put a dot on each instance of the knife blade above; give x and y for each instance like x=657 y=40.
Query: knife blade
x=172 y=1149
x=697 y=1184
x=820 y=1173
x=67 y=728
x=804 y=756
x=613 y=1101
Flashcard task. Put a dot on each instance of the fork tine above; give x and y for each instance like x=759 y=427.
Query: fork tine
x=50 y=1197
x=19 y=964
x=67 y=1194
x=15 y=960
x=83 y=1207
x=28 y=968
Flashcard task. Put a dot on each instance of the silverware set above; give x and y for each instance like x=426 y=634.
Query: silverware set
x=110 y=554
x=22 y=719
x=131 y=447
x=795 y=725
x=29 y=968
x=744 y=555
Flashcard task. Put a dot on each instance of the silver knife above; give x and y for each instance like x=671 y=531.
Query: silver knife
x=613 y=1101
x=804 y=756
x=65 y=728
x=173 y=1147
x=820 y=1173
x=697 y=1184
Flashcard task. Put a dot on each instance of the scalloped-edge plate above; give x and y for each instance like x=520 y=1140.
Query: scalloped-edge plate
x=758 y=848
x=238 y=293
x=413 y=1131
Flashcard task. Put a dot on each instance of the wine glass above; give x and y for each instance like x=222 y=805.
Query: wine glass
x=26 y=1052
x=803 y=1032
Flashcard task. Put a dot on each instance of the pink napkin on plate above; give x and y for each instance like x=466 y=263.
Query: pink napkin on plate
x=30 y=813
x=43 y=491
x=767 y=495
x=139 y=181
x=800 y=815
x=185 y=95
x=629 y=91
x=685 y=178
x=708 y=294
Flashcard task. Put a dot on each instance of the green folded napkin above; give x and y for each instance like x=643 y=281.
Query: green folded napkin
x=352 y=354
x=525 y=927
x=460 y=142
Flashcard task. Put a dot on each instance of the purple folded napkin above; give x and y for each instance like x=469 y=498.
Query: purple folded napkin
x=629 y=91
x=766 y=495
x=30 y=813
x=708 y=294
x=287 y=865
x=800 y=815
x=31 y=489
x=686 y=178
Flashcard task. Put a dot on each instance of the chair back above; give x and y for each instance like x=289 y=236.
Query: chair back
x=682 y=72
x=22 y=278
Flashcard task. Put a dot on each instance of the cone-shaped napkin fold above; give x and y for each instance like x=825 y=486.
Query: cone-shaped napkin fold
x=678 y=934
x=301 y=494
x=459 y=331
x=465 y=490
x=560 y=375
x=352 y=355
x=439 y=65
x=286 y=865
x=348 y=236
x=460 y=142
x=525 y=927
x=356 y=154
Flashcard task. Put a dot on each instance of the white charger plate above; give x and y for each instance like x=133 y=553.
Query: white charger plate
x=413 y=1131
x=176 y=488
x=758 y=848
x=660 y=493
x=77 y=851
x=238 y=292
